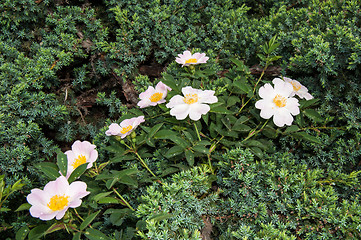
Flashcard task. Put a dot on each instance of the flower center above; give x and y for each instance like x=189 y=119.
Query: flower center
x=79 y=161
x=279 y=101
x=156 y=97
x=57 y=203
x=191 y=60
x=191 y=98
x=126 y=129
x=296 y=86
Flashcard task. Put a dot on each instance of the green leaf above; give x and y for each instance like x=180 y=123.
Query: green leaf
x=22 y=233
x=232 y=100
x=257 y=151
x=220 y=109
x=189 y=157
x=118 y=216
x=100 y=196
x=38 y=231
x=243 y=85
x=94 y=234
x=49 y=169
x=170 y=82
x=62 y=162
x=77 y=236
x=22 y=207
x=200 y=149
x=88 y=220
x=306 y=136
x=174 y=151
x=292 y=128
x=154 y=130
x=313 y=115
x=308 y=103
x=108 y=200
x=77 y=172
x=173 y=136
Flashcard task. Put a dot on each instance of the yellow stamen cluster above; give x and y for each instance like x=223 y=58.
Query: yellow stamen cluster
x=156 y=97
x=57 y=203
x=191 y=98
x=126 y=129
x=79 y=161
x=279 y=101
x=296 y=86
x=191 y=60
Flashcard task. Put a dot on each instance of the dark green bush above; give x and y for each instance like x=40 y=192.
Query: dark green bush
x=66 y=67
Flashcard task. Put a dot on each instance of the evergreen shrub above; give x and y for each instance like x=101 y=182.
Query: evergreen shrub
x=71 y=68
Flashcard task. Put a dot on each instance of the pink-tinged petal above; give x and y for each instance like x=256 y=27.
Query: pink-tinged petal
x=207 y=96
x=203 y=60
x=307 y=96
x=93 y=156
x=174 y=101
x=39 y=210
x=47 y=216
x=293 y=106
x=77 y=190
x=59 y=186
x=180 y=111
x=186 y=54
x=197 y=110
x=75 y=203
x=266 y=92
x=189 y=90
x=37 y=196
x=282 y=88
x=114 y=129
x=60 y=214
x=162 y=87
x=144 y=103
x=81 y=148
x=267 y=108
x=147 y=93
x=180 y=60
x=282 y=117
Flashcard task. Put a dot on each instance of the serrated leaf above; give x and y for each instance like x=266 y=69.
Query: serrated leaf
x=292 y=128
x=170 y=82
x=313 y=115
x=88 y=220
x=174 y=151
x=100 y=196
x=22 y=233
x=306 y=136
x=77 y=236
x=50 y=170
x=77 y=172
x=108 y=200
x=220 y=109
x=62 y=162
x=94 y=234
x=22 y=207
x=257 y=151
x=232 y=100
x=37 y=232
x=189 y=157
x=200 y=149
x=154 y=130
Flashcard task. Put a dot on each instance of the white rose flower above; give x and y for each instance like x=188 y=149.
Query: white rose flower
x=277 y=102
x=194 y=103
x=298 y=89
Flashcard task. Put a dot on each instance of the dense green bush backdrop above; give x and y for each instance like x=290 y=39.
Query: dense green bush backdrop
x=69 y=68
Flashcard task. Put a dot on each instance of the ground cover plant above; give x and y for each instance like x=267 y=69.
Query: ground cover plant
x=180 y=119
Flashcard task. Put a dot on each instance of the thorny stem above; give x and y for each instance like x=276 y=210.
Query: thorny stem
x=121 y=197
x=254 y=89
x=255 y=131
x=77 y=214
x=195 y=126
